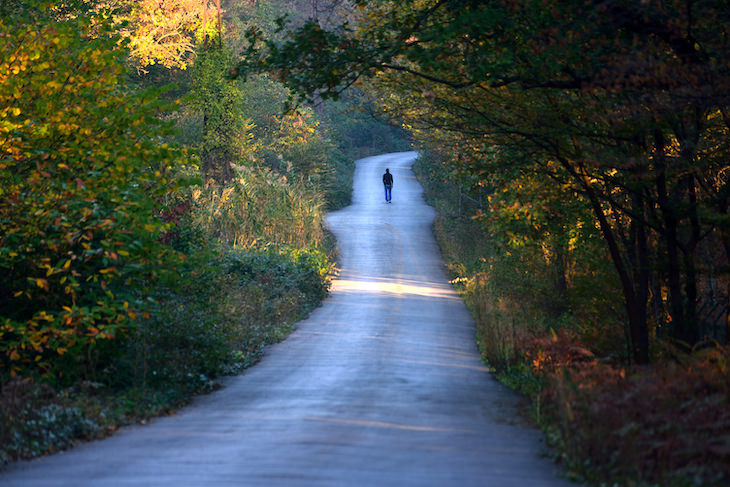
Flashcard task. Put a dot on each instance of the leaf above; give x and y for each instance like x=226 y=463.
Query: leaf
x=41 y=283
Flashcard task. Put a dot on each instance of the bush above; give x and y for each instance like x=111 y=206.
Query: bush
x=81 y=169
x=216 y=317
x=666 y=424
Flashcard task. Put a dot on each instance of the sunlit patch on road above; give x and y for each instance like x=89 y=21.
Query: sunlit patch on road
x=392 y=286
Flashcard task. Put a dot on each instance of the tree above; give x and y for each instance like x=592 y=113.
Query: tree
x=219 y=99
x=81 y=170
x=159 y=31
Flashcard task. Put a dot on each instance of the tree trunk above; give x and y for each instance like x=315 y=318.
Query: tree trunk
x=636 y=311
x=670 y=221
x=690 y=269
x=640 y=334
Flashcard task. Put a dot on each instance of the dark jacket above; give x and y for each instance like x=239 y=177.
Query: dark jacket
x=388 y=179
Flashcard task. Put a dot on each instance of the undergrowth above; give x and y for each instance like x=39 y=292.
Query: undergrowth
x=667 y=424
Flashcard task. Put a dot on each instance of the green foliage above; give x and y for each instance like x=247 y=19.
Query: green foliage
x=246 y=125
x=360 y=129
x=81 y=167
x=290 y=273
x=31 y=423
x=518 y=270
x=49 y=428
x=214 y=323
x=296 y=144
x=218 y=99
x=215 y=312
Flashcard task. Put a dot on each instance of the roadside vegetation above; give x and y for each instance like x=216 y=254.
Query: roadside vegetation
x=562 y=345
x=160 y=222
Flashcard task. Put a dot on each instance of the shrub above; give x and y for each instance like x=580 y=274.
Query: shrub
x=81 y=168
x=667 y=424
x=217 y=315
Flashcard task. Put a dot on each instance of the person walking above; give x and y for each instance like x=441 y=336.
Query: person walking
x=388 y=183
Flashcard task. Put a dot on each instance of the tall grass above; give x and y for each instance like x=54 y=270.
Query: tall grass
x=260 y=206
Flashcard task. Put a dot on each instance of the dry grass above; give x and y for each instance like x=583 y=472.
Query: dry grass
x=260 y=206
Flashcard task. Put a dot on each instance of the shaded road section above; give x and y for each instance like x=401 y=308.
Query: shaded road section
x=381 y=386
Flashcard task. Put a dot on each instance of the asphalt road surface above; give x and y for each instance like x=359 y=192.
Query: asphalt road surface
x=381 y=386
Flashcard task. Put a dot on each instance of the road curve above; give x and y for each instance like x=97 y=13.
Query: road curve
x=381 y=386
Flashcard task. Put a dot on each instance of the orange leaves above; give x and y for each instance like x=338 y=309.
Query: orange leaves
x=549 y=353
x=41 y=283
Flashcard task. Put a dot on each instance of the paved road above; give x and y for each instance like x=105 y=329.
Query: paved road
x=381 y=386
